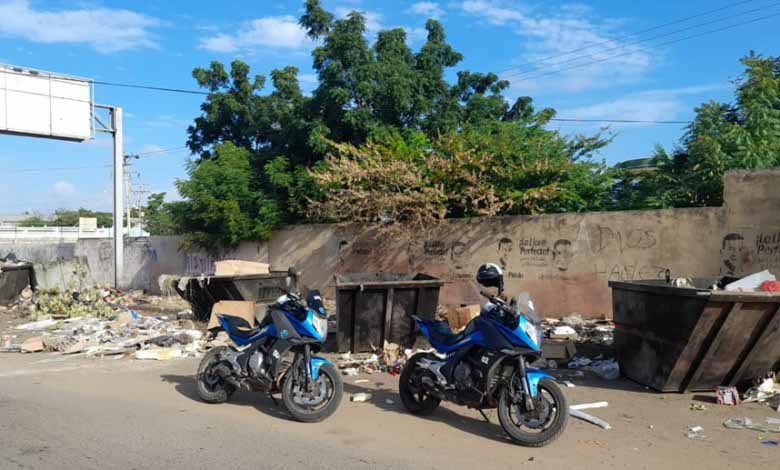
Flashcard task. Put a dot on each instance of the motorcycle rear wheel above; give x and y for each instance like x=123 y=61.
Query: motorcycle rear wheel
x=329 y=380
x=212 y=388
x=416 y=400
x=517 y=426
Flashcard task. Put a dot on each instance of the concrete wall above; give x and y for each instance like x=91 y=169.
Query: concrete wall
x=563 y=260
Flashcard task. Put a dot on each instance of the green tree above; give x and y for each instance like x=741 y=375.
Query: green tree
x=158 y=216
x=223 y=205
x=372 y=94
x=745 y=134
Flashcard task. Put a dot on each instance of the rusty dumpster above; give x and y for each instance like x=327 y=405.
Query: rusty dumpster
x=676 y=339
x=14 y=277
x=374 y=307
x=203 y=292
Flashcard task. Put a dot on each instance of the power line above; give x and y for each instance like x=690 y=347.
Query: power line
x=155 y=88
x=158 y=152
x=639 y=41
x=630 y=35
x=685 y=38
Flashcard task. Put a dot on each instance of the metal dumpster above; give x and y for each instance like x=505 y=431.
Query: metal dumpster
x=374 y=307
x=203 y=292
x=14 y=277
x=694 y=339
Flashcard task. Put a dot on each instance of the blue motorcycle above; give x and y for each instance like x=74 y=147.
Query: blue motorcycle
x=276 y=356
x=486 y=366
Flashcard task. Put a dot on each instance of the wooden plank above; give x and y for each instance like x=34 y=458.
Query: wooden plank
x=388 y=316
x=763 y=352
x=709 y=352
x=703 y=333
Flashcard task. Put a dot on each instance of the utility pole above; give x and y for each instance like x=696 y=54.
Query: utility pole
x=119 y=196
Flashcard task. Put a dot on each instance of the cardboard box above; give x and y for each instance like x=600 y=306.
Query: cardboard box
x=459 y=317
x=237 y=308
x=234 y=267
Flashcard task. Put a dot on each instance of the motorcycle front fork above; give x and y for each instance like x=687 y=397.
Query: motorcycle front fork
x=528 y=399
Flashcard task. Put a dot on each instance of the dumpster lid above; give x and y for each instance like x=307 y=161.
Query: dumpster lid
x=387 y=280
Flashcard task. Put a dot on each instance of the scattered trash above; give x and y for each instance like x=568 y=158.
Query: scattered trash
x=771 y=442
x=728 y=396
x=37 y=325
x=568 y=384
x=588 y=406
x=360 y=397
x=607 y=369
x=589 y=418
x=770 y=286
x=361 y=381
x=747 y=423
x=389 y=401
x=162 y=354
x=685 y=282
x=564 y=332
x=697 y=407
x=99 y=321
x=696 y=432
x=32 y=345
x=768 y=391
x=751 y=283
x=351 y=371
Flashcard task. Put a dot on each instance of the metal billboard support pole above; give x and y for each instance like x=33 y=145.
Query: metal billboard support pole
x=115 y=129
x=119 y=194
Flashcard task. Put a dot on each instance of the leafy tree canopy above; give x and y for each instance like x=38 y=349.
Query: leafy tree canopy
x=743 y=134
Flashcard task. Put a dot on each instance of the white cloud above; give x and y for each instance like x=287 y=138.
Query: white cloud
x=277 y=32
x=550 y=38
x=492 y=12
x=104 y=29
x=416 y=35
x=63 y=189
x=649 y=105
x=426 y=9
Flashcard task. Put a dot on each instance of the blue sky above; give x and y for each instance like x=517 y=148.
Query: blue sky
x=159 y=43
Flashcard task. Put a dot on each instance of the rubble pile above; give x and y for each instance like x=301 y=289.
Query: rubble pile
x=595 y=331
x=98 y=321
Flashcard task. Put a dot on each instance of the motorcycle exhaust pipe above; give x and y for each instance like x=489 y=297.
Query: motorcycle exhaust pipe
x=431 y=388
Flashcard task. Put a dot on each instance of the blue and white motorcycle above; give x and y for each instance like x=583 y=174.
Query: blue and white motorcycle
x=277 y=356
x=486 y=366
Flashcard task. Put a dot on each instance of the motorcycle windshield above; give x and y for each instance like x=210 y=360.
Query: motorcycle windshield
x=314 y=302
x=523 y=305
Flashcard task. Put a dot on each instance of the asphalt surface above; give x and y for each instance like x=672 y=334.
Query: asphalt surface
x=105 y=414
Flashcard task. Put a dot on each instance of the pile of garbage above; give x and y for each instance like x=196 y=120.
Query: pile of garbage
x=581 y=330
x=98 y=321
x=120 y=334
x=390 y=359
x=607 y=369
x=767 y=391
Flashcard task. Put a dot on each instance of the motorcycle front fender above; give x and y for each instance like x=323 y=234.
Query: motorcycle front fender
x=315 y=364
x=534 y=376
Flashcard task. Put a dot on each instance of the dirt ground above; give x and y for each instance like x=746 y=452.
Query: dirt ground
x=67 y=413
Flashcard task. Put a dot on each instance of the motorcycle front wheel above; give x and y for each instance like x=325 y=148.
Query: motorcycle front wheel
x=319 y=401
x=541 y=426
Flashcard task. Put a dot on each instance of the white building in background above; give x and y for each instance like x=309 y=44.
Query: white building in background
x=87 y=228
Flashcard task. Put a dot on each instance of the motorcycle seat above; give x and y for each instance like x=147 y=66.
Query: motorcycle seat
x=441 y=333
x=239 y=327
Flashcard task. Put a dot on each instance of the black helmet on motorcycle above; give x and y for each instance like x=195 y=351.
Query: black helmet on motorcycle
x=491 y=275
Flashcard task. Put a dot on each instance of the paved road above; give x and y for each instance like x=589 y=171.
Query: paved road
x=85 y=414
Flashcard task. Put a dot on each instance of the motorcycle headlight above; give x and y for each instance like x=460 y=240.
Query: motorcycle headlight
x=533 y=332
x=321 y=325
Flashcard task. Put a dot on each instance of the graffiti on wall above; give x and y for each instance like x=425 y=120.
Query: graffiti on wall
x=741 y=254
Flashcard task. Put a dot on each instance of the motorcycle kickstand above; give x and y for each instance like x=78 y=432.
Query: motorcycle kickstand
x=487 y=420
